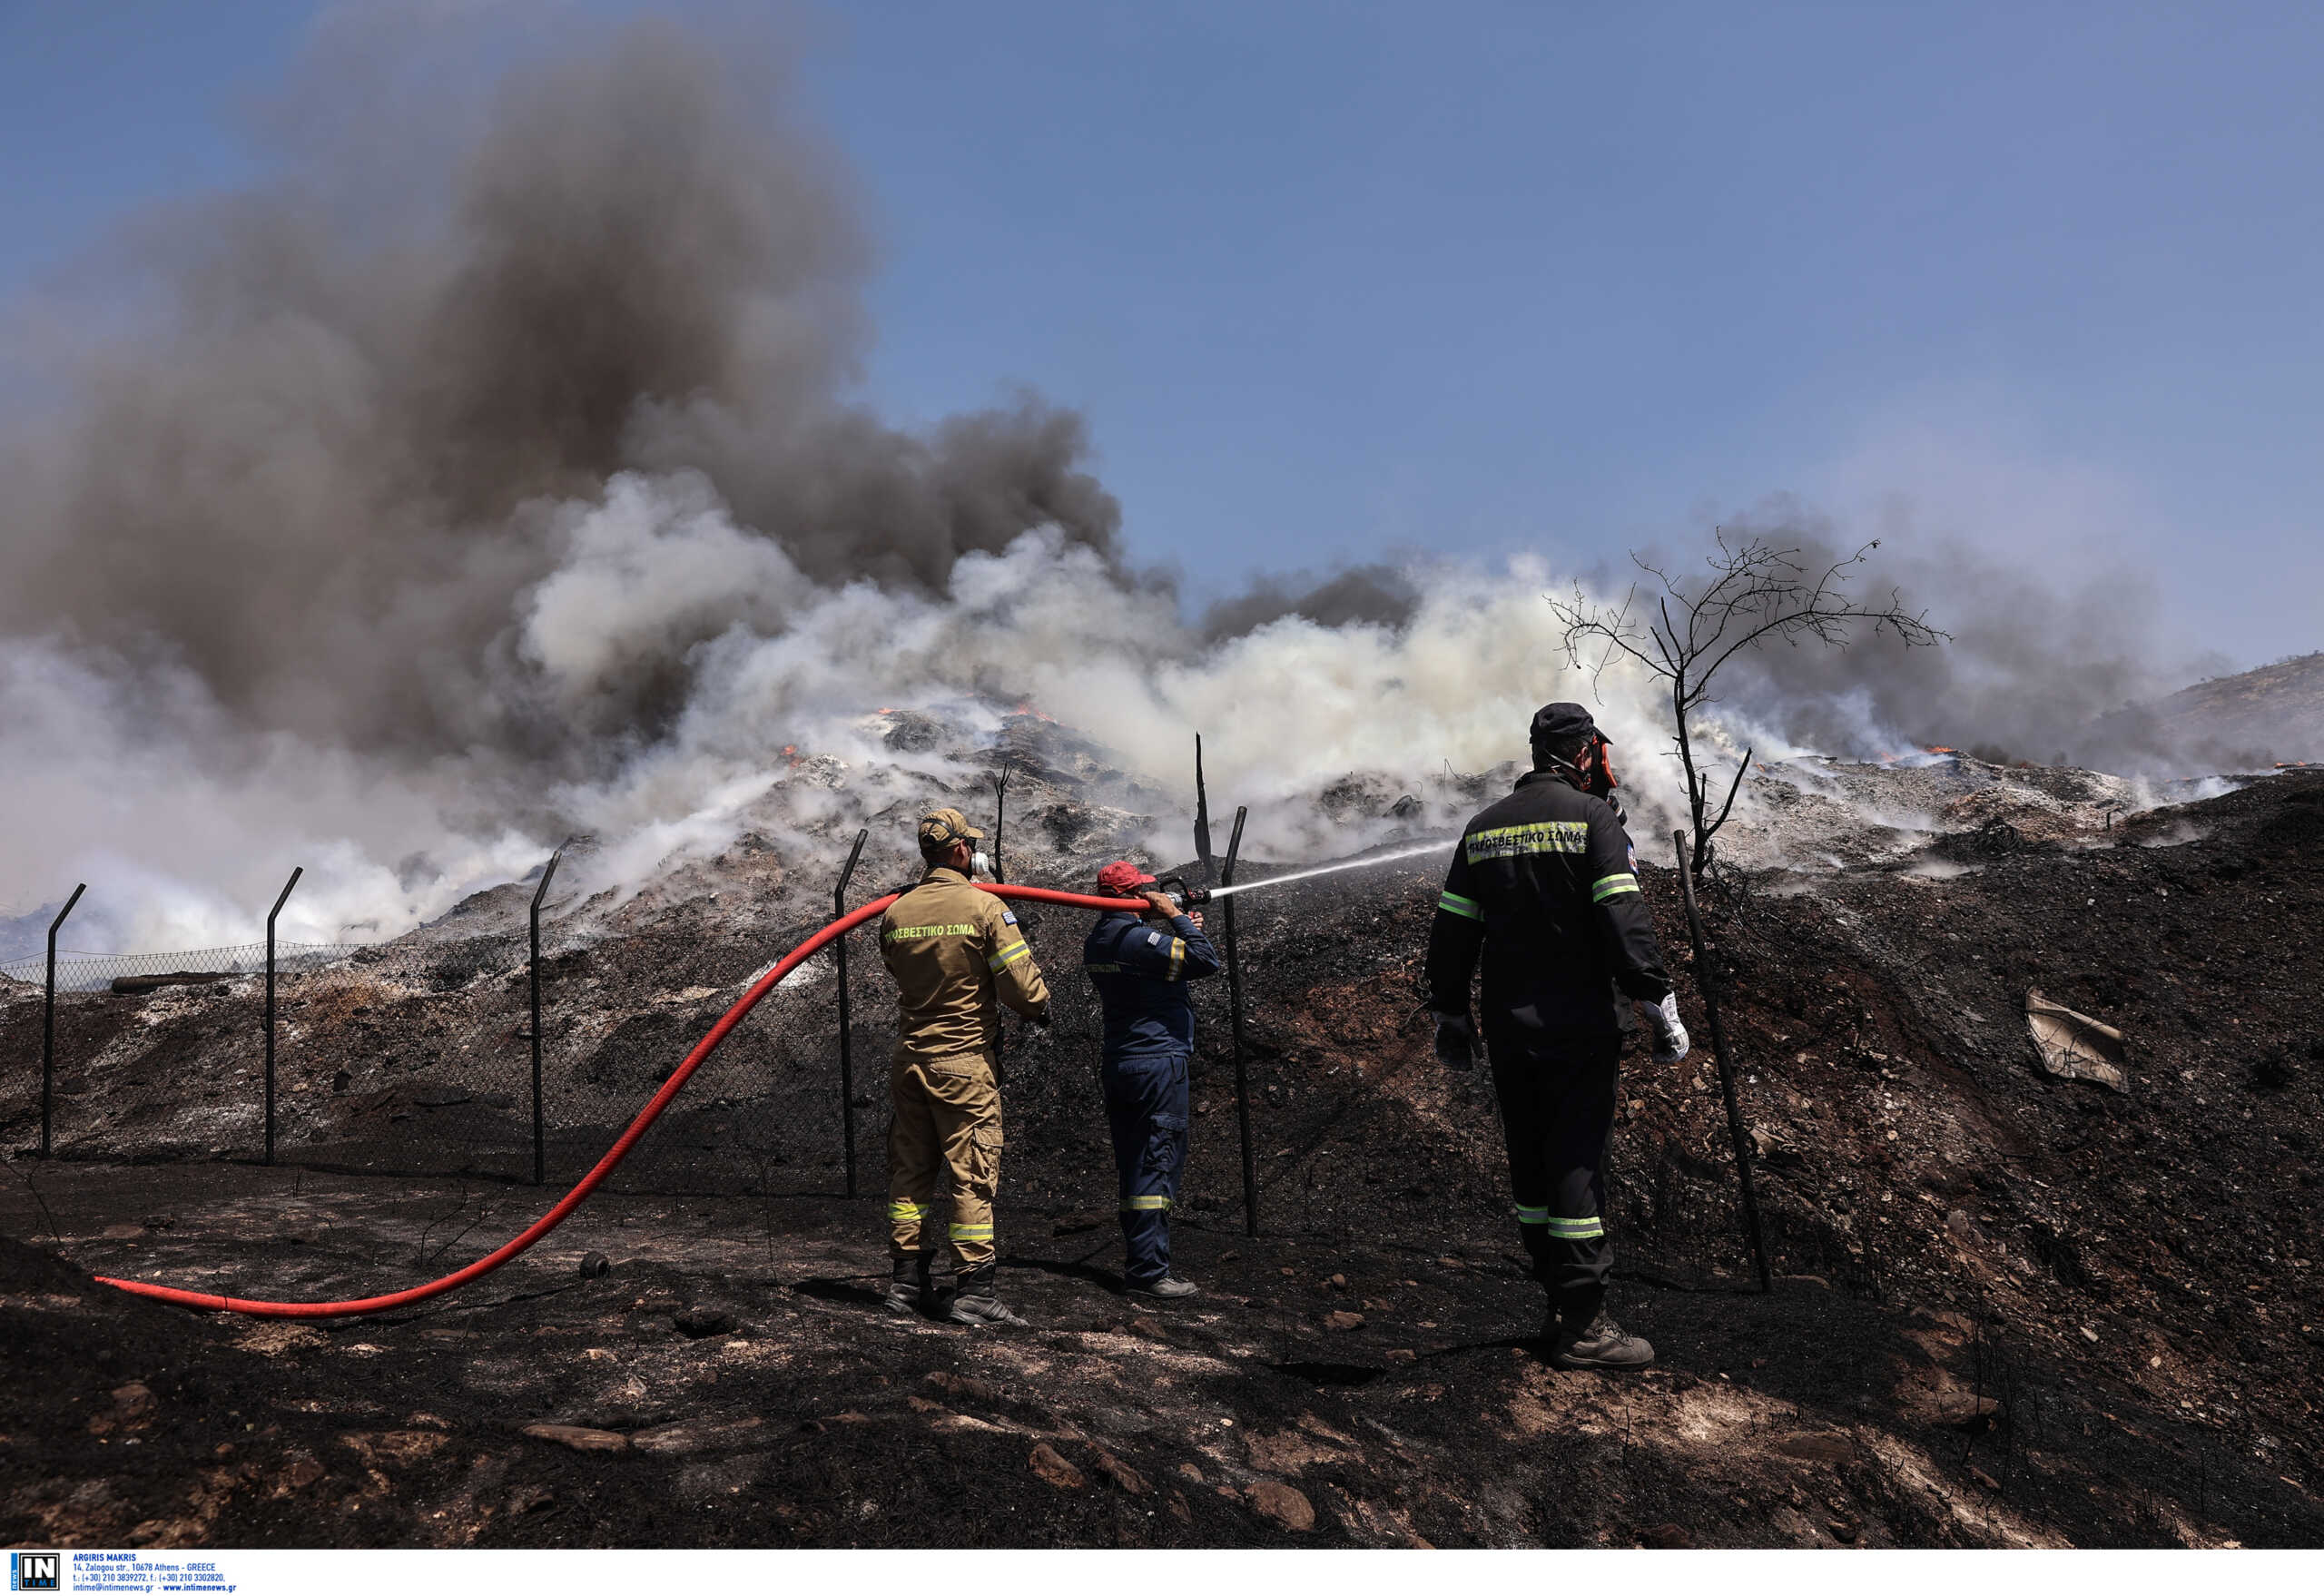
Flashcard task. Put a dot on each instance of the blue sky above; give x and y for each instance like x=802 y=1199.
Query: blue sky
x=1332 y=281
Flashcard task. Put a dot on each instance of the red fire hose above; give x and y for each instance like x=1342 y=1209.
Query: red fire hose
x=614 y=1155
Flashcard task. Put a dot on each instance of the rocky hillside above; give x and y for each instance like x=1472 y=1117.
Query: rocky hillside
x=2275 y=713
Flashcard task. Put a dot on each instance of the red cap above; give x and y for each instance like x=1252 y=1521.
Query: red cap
x=1122 y=876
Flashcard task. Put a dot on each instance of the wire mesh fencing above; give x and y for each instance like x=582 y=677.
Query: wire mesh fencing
x=439 y=1077
x=134 y=974
x=145 y=1055
x=415 y=1058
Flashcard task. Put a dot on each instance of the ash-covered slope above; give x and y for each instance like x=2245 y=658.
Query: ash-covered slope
x=2276 y=711
x=1813 y=813
x=2010 y=1309
x=2156 y=1246
x=414 y=1054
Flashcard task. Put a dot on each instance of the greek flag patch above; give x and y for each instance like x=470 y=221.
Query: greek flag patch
x=1154 y=938
x=1007 y=918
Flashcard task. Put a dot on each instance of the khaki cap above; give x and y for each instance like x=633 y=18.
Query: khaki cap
x=940 y=828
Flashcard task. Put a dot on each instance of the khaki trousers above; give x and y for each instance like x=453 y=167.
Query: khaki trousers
x=946 y=1114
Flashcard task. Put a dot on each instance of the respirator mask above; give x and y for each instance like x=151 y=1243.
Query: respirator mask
x=1597 y=769
x=980 y=864
x=1591 y=771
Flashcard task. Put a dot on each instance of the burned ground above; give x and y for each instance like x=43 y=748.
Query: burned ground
x=2009 y=1309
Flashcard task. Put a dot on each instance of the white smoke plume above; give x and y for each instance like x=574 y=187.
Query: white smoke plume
x=146 y=770
x=457 y=489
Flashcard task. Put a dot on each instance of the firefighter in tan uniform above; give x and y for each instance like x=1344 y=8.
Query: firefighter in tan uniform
x=953 y=951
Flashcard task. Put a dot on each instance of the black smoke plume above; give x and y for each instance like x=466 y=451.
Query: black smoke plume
x=1370 y=595
x=318 y=471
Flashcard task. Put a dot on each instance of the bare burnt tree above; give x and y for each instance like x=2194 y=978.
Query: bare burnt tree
x=999 y=780
x=1754 y=591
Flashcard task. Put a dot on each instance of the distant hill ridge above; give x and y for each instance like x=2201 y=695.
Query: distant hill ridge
x=2277 y=710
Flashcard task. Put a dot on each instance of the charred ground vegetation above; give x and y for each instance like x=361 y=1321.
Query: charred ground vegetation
x=2009 y=1309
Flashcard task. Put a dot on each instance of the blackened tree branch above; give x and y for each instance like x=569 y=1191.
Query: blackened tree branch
x=1756 y=591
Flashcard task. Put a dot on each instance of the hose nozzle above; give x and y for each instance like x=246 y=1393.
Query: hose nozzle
x=1180 y=893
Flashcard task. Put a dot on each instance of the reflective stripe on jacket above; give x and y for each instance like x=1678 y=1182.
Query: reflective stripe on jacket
x=1544 y=884
x=955 y=950
x=1141 y=971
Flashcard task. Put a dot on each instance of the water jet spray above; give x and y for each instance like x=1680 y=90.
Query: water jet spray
x=1414 y=850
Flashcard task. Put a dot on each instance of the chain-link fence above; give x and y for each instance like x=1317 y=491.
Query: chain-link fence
x=433 y=1069
x=127 y=1063
x=131 y=974
x=416 y=1058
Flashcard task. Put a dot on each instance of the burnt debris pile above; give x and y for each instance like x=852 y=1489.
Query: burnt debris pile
x=2010 y=1309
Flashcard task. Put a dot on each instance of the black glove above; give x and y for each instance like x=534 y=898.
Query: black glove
x=1456 y=1043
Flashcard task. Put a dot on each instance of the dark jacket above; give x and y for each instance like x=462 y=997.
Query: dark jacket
x=1140 y=971
x=1545 y=884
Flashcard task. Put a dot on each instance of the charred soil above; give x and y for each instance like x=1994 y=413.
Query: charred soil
x=2009 y=1309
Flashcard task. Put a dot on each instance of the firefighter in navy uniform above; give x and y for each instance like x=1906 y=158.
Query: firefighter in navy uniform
x=1545 y=886
x=1141 y=966
x=957 y=954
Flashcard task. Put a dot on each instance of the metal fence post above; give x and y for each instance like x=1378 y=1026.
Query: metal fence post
x=1202 y=820
x=540 y=1152
x=1707 y=982
x=295 y=873
x=846 y=1028
x=1235 y=1017
x=48 y=1022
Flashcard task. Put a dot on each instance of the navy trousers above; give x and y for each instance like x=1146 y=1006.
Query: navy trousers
x=1557 y=1110
x=1145 y=1108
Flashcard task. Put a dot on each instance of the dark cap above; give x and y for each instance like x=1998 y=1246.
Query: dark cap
x=1562 y=723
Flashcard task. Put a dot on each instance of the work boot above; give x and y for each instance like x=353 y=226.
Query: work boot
x=908 y=1290
x=1600 y=1344
x=1164 y=1285
x=977 y=1302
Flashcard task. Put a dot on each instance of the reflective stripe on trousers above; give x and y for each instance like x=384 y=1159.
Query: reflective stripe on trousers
x=1145 y=1115
x=945 y=1120
x=1556 y=1112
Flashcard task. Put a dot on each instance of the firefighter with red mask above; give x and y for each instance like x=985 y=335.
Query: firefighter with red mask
x=1543 y=889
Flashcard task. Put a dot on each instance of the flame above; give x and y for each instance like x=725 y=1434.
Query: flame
x=1937 y=748
x=1027 y=709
